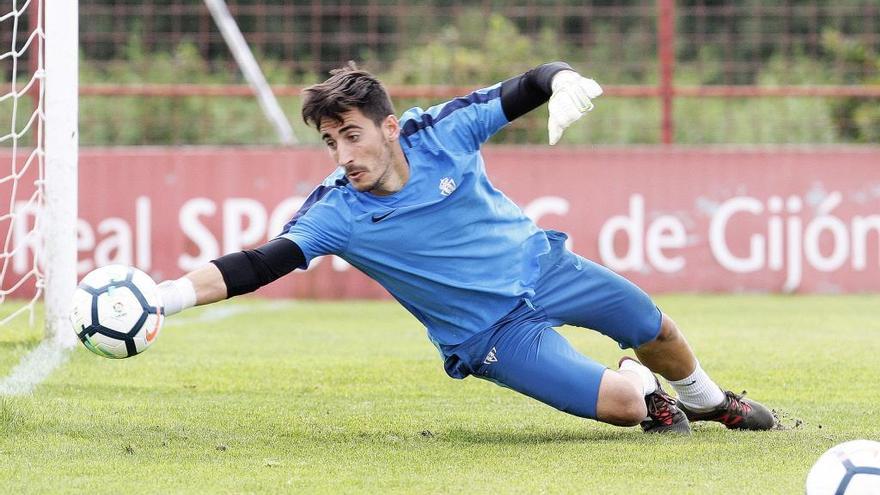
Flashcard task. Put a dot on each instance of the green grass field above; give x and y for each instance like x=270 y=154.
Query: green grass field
x=262 y=397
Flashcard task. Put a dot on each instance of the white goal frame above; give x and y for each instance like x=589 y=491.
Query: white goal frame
x=58 y=224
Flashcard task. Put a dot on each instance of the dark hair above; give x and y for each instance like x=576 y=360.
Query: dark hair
x=347 y=88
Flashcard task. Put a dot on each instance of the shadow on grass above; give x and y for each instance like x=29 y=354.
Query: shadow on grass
x=540 y=437
x=458 y=435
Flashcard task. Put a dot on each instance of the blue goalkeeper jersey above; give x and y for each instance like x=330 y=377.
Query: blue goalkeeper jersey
x=452 y=249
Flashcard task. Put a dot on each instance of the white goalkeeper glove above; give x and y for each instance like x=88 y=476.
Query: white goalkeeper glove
x=176 y=295
x=571 y=99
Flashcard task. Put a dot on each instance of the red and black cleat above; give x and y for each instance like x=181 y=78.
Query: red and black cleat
x=736 y=413
x=663 y=414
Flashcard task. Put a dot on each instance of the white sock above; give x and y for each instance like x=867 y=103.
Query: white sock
x=649 y=382
x=698 y=392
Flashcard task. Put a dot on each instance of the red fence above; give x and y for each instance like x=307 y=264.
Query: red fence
x=666 y=51
x=634 y=48
x=670 y=219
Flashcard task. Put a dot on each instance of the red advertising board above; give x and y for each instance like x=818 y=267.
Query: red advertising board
x=670 y=219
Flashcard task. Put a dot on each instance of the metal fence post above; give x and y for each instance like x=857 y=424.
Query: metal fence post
x=666 y=55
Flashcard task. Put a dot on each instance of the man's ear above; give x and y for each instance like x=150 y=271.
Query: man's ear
x=391 y=128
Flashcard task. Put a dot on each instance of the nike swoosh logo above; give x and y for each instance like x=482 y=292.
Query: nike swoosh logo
x=379 y=218
x=151 y=333
x=689 y=384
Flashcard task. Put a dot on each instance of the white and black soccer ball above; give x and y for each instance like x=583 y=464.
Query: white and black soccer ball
x=850 y=468
x=116 y=311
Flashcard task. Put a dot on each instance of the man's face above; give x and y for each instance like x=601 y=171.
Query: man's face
x=362 y=148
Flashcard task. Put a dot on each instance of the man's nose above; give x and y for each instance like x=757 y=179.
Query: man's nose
x=344 y=154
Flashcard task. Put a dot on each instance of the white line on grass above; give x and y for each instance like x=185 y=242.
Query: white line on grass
x=222 y=312
x=35 y=367
x=38 y=364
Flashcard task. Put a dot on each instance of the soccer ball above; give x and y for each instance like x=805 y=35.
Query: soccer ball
x=116 y=311
x=851 y=468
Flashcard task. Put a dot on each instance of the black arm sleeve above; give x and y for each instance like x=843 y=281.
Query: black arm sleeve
x=247 y=271
x=526 y=92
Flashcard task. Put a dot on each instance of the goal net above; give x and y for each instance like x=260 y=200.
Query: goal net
x=38 y=147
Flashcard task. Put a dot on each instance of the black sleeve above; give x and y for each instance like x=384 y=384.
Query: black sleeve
x=247 y=271
x=526 y=92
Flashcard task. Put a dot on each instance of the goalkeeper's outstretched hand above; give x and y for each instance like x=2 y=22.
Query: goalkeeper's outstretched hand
x=572 y=98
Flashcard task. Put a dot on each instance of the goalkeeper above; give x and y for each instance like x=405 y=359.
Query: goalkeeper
x=410 y=205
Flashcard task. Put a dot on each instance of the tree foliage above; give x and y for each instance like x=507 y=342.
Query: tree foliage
x=476 y=44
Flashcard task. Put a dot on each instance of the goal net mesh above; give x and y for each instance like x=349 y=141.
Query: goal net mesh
x=22 y=154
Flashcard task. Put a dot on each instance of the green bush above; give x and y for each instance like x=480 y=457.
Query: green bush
x=474 y=50
x=855 y=119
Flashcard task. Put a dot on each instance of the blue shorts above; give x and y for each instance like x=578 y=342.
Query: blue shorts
x=523 y=352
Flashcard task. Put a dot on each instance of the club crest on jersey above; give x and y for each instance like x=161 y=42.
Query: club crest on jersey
x=447 y=185
x=491 y=357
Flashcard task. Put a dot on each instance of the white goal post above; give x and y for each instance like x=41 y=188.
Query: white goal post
x=39 y=213
x=59 y=222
